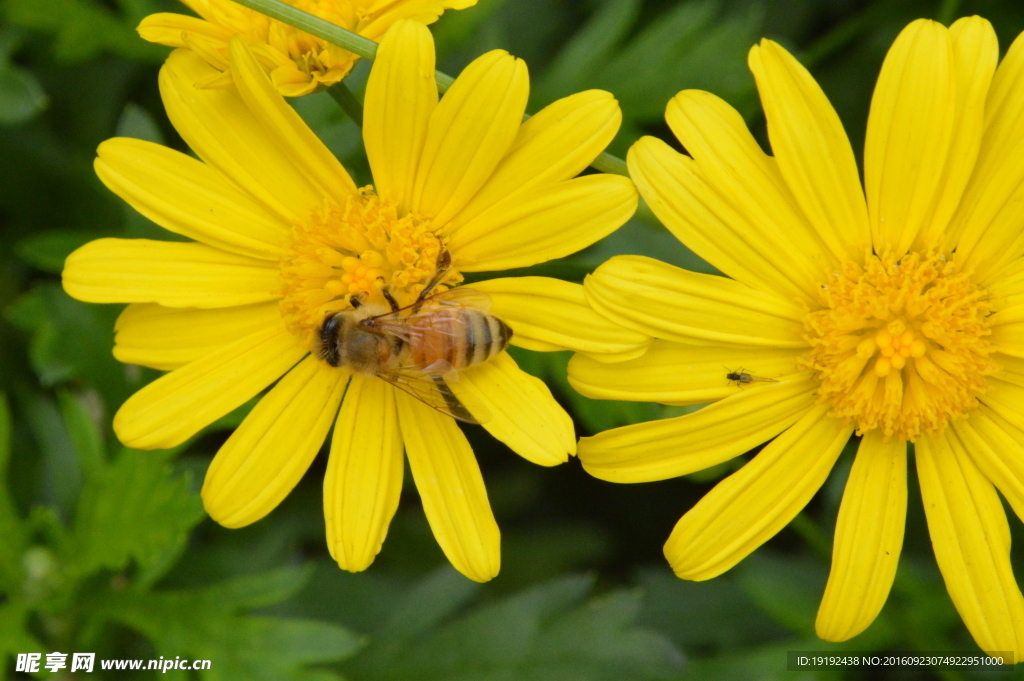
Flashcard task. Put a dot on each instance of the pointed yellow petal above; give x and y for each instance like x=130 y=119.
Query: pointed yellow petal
x=1005 y=399
x=869 y=537
x=524 y=415
x=421 y=11
x=987 y=221
x=185 y=196
x=554 y=145
x=997 y=448
x=175 y=407
x=469 y=133
x=674 y=373
x=910 y=131
x=975 y=55
x=971 y=539
x=222 y=130
x=364 y=473
x=706 y=221
x=750 y=506
x=668 y=448
x=449 y=482
x=170 y=273
x=664 y=301
x=400 y=96
x=812 y=149
x=269 y=453
x=745 y=191
x=283 y=127
x=544 y=224
x=550 y=314
x=167 y=338
x=166 y=28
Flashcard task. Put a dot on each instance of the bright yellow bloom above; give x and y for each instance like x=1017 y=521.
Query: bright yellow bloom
x=297 y=62
x=896 y=315
x=283 y=236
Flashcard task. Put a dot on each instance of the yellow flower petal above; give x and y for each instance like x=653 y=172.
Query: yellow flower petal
x=1005 y=399
x=975 y=55
x=550 y=314
x=269 y=453
x=869 y=537
x=997 y=448
x=741 y=186
x=544 y=224
x=910 y=131
x=667 y=302
x=524 y=415
x=167 y=338
x=468 y=134
x=674 y=373
x=753 y=504
x=282 y=126
x=812 y=150
x=668 y=448
x=185 y=196
x=166 y=28
x=170 y=273
x=364 y=473
x=388 y=12
x=175 y=407
x=448 y=479
x=554 y=145
x=222 y=130
x=971 y=539
x=400 y=96
x=704 y=220
x=1011 y=369
x=986 y=227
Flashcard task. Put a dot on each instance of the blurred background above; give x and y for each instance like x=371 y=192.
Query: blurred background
x=108 y=550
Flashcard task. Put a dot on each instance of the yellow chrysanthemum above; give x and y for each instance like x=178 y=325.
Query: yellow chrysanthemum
x=284 y=236
x=896 y=316
x=298 y=63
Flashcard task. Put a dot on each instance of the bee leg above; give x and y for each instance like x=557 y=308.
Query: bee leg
x=395 y=307
x=444 y=264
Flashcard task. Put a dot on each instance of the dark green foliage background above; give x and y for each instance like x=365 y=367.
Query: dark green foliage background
x=107 y=550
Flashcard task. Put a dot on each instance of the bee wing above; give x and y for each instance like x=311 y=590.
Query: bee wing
x=433 y=391
x=420 y=321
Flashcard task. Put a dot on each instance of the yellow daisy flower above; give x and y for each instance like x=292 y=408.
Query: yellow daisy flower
x=298 y=63
x=283 y=238
x=896 y=316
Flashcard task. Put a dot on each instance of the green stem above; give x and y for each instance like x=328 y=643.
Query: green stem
x=367 y=49
x=347 y=101
x=947 y=11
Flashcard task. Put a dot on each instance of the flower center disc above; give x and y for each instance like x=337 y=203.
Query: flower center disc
x=901 y=344
x=357 y=248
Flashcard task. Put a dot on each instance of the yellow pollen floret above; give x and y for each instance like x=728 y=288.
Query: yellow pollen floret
x=346 y=250
x=900 y=345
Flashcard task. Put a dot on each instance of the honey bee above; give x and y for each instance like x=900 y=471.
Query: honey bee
x=421 y=347
x=739 y=376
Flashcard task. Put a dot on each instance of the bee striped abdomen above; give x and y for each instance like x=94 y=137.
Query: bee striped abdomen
x=461 y=337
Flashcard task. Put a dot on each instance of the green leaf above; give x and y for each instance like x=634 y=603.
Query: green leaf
x=71 y=339
x=208 y=624
x=86 y=28
x=787 y=588
x=12 y=533
x=48 y=250
x=138 y=123
x=547 y=632
x=135 y=508
x=21 y=96
x=61 y=470
x=82 y=430
x=14 y=636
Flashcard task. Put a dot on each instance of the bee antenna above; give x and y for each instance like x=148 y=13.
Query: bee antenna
x=395 y=307
x=355 y=302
